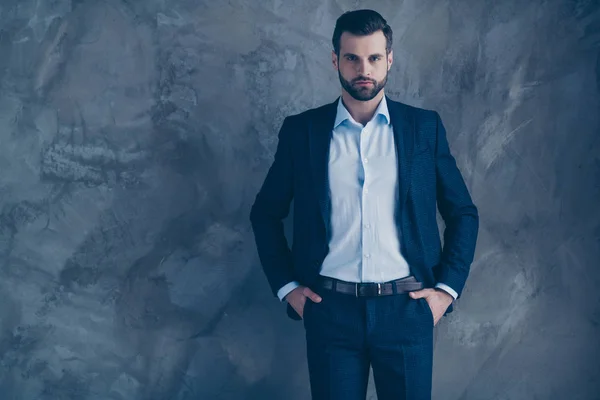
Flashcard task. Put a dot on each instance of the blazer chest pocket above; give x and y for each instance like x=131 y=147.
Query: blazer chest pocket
x=421 y=150
x=423 y=167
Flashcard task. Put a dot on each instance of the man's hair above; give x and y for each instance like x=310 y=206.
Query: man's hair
x=361 y=23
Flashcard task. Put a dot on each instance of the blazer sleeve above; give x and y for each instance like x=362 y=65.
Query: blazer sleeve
x=271 y=206
x=459 y=214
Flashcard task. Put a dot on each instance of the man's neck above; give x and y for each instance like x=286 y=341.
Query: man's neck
x=361 y=111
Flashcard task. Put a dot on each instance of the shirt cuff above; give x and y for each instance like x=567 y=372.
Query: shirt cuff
x=281 y=293
x=447 y=289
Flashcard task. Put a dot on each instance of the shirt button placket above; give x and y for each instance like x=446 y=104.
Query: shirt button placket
x=365 y=216
x=364 y=246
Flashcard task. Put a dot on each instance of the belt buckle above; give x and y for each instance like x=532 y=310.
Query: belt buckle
x=378 y=289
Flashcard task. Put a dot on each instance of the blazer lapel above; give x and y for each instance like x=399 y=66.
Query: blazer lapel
x=403 y=126
x=319 y=137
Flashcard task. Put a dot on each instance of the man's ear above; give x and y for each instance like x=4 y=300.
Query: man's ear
x=390 y=59
x=334 y=60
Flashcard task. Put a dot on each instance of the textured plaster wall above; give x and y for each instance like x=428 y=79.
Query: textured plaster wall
x=135 y=134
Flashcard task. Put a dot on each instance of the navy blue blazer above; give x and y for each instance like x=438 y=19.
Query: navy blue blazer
x=427 y=176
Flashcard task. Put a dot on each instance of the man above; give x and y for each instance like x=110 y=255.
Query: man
x=366 y=272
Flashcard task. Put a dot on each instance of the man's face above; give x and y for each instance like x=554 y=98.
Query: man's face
x=362 y=65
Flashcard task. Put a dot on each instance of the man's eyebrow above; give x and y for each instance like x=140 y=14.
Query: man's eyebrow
x=372 y=55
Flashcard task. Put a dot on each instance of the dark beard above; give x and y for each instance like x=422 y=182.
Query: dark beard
x=363 y=93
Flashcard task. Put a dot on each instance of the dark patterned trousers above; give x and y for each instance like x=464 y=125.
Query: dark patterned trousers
x=345 y=335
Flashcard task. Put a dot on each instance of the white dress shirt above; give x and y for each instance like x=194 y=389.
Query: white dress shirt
x=363 y=180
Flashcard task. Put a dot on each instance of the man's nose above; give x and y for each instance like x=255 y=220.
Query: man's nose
x=364 y=68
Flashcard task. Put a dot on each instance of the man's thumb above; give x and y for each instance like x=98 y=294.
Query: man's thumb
x=312 y=295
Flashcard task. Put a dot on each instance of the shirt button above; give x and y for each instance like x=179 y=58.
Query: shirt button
x=366 y=190
x=366 y=160
x=367 y=226
x=367 y=255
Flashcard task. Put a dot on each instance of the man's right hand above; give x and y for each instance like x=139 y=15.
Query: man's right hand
x=298 y=298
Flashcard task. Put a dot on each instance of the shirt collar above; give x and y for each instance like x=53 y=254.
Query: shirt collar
x=343 y=114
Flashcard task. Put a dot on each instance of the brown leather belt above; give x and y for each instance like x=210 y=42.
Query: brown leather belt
x=403 y=285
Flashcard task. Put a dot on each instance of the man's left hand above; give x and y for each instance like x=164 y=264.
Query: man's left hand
x=438 y=301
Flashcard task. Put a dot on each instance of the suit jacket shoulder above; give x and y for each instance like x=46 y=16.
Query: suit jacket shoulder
x=414 y=110
x=407 y=108
x=422 y=121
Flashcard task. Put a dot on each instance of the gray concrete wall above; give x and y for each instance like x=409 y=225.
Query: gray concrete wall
x=135 y=134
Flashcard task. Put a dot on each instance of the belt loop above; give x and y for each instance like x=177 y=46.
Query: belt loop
x=356 y=289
